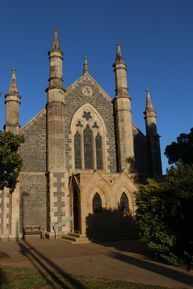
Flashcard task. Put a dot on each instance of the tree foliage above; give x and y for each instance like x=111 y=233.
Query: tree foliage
x=182 y=150
x=165 y=207
x=165 y=214
x=10 y=160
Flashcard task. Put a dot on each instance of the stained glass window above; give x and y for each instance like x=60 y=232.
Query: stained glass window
x=99 y=152
x=77 y=150
x=88 y=148
x=97 y=203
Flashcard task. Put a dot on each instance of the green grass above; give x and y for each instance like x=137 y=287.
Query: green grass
x=22 y=278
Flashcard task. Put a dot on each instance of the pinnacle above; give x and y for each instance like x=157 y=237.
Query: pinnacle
x=149 y=105
x=85 y=65
x=118 y=52
x=119 y=58
x=55 y=43
x=13 y=83
x=13 y=70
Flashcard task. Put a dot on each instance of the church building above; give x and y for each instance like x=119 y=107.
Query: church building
x=83 y=157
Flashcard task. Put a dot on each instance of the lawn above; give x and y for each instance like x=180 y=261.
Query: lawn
x=22 y=278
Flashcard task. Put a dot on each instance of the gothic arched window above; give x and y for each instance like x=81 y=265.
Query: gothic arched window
x=124 y=203
x=77 y=151
x=88 y=148
x=97 y=203
x=99 y=152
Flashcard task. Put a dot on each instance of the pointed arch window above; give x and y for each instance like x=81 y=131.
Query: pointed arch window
x=77 y=150
x=88 y=148
x=124 y=203
x=97 y=203
x=99 y=152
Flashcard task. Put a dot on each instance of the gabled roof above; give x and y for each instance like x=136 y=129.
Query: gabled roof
x=31 y=121
x=135 y=128
x=86 y=76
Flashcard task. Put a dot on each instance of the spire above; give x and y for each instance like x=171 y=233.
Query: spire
x=118 y=52
x=55 y=43
x=152 y=137
x=13 y=90
x=55 y=57
x=120 y=69
x=150 y=115
x=119 y=58
x=12 y=104
x=85 y=65
x=149 y=105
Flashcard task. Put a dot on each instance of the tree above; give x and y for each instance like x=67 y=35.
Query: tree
x=182 y=150
x=10 y=160
x=165 y=215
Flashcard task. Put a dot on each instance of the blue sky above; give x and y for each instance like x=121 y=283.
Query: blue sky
x=156 y=41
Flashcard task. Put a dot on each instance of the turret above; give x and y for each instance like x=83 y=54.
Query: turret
x=150 y=116
x=55 y=57
x=122 y=109
x=57 y=177
x=120 y=69
x=153 y=141
x=55 y=108
x=12 y=102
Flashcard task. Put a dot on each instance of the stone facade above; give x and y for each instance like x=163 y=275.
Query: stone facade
x=83 y=158
x=74 y=99
x=33 y=199
x=33 y=155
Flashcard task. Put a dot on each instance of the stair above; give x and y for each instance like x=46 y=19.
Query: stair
x=75 y=238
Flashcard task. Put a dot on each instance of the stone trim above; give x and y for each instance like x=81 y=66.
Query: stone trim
x=59 y=204
x=33 y=173
x=130 y=196
x=1 y=210
x=5 y=214
x=105 y=203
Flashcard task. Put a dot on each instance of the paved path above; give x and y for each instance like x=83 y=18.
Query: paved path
x=123 y=260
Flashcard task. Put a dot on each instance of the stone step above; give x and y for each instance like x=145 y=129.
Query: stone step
x=74 y=234
x=75 y=238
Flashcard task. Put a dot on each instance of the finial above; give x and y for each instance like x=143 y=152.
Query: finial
x=55 y=43
x=13 y=83
x=119 y=58
x=149 y=105
x=85 y=65
x=13 y=73
x=118 y=52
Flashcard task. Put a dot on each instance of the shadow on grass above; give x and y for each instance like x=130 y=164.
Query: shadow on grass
x=2 y=277
x=51 y=272
x=171 y=273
